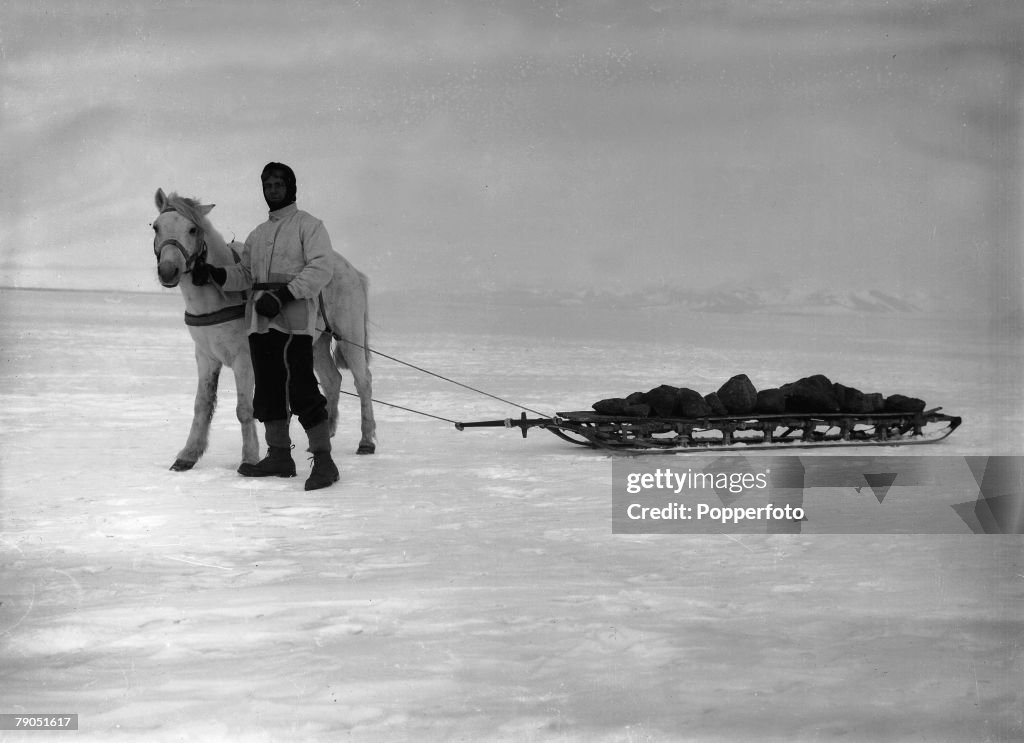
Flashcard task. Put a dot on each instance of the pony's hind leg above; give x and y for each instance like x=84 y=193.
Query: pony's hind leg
x=356 y=358
x=330 y=378
x=245 y=382
x=202 y=413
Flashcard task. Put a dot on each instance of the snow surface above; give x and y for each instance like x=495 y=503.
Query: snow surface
x=467 y=586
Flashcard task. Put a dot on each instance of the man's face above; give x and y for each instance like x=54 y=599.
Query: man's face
x=275 y=191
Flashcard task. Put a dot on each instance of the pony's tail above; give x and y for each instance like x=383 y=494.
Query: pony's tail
x=366 y=316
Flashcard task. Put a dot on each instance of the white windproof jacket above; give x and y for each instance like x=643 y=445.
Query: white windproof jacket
x=292 y=247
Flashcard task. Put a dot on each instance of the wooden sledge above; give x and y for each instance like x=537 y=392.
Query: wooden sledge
x=732 y=433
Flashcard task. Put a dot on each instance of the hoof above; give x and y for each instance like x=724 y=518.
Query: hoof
x=182 y=465
x=366 y=449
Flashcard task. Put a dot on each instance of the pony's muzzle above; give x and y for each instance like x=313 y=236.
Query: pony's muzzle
x=170 y=264
x=168 y=273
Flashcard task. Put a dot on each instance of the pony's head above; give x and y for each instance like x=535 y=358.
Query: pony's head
x=179 y=238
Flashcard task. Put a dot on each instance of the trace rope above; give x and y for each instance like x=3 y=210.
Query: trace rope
x=439 y=376
x=400 y=407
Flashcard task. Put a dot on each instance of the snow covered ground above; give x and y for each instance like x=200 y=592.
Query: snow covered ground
x=467 y=586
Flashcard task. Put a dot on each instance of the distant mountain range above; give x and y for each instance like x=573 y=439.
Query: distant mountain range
x=779 y=299
x=744 y=299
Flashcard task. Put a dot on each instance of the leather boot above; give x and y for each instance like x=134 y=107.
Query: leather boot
x=278 y=462
x=324 y=472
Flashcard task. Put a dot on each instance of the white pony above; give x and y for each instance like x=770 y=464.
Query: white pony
x=216 y=322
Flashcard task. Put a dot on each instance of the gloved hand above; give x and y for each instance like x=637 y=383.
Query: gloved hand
x=270 y=303
x=203 y=272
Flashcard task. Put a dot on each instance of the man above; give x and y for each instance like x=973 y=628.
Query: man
x=285 y=264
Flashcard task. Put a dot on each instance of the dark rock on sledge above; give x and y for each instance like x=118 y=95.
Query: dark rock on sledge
x=691 y=404
x=637 y=398
x=850 y=399
x=666 y=401
x=715 y=403
x=621 y=407
x=663 y=400
x=903 y=404
x=874 y=402
x=770 y=402
x=610 y=406
x=814 y=394
x=738 y=395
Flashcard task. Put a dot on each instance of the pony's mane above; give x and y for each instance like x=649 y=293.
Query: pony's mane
x=187 y=207
x=191 y=209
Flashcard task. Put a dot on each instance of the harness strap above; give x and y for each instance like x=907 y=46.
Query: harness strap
x=323 y=314
x=225 y=314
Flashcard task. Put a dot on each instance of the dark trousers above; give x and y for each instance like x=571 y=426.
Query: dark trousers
x=285 y=381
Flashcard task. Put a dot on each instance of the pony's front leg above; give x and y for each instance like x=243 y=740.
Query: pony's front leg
x=245 y=382
x=202 y=413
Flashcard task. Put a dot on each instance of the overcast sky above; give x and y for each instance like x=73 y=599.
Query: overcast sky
x=611 y=145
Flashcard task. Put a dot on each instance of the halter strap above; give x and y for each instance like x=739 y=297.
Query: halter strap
x=190 y=260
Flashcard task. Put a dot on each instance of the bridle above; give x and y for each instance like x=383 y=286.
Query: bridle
x=190 y=260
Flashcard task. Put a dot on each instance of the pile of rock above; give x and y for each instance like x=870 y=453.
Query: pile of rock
x=816 y=394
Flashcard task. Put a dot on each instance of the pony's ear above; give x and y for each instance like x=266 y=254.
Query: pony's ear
x=160 y=199
x=206 y=208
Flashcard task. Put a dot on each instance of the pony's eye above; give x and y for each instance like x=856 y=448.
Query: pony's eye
x=192 y=231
